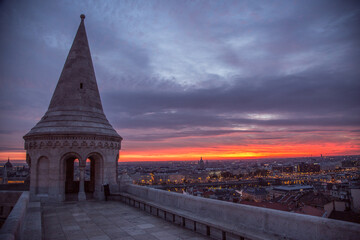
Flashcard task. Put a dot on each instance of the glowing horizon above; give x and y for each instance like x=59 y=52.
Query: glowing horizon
x=221 y=153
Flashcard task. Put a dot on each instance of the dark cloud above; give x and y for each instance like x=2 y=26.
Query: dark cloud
x=215 y=66
x=183 y=134
x=317 y=99
x=5 y=149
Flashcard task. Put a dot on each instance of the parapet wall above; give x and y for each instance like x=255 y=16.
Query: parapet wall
x=282 y=225
x=8 y=200
x=14 y=223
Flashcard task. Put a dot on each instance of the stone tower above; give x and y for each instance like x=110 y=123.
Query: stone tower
x=74 y=129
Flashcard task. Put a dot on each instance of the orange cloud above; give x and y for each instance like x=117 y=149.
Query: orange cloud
x=18 y=155
x=238 y=152
x=173 y=151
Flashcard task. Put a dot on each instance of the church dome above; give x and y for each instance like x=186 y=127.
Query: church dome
x=8 y=164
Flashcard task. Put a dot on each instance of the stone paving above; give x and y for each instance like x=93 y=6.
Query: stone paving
x=95 y=220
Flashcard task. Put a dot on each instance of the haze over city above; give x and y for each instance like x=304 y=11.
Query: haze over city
x=184 y=79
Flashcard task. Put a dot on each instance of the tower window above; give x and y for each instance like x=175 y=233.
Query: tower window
x=81 y=85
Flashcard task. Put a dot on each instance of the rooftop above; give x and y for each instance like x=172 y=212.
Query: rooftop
x=293 y=188
x=96 y=220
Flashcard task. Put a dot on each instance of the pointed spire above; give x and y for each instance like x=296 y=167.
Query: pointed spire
x=75 y=106
x=77 y=87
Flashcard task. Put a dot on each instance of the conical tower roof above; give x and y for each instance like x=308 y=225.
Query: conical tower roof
x=75 y=107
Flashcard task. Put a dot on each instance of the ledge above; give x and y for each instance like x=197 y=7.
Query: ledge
x=13 y=225
x=247 y=221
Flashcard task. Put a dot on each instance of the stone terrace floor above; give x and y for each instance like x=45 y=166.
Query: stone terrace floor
x=97 y=220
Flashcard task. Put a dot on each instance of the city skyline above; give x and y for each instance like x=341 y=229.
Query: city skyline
x=187 y=79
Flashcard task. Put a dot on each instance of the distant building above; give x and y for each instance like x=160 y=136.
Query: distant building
x=355 y=199
x=350 y=163
x=340 y=192
x=201 y=164
x=5 y=175
x=286 y=169
x=293 y=188
x=8 y=165
x=308 y=167
x=280 y=191
x=176 y=178
x=254 y=194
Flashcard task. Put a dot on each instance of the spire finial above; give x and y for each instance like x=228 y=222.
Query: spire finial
x=82 y=16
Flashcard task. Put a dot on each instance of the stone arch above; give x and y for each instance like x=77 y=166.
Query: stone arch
x=66 y=170
x=42 y=175
x=97 y=173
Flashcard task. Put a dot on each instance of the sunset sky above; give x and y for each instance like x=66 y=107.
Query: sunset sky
x=184 y=79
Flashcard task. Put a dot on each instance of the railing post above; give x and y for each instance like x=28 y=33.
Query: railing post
x=208 y=230
x=183 y=221
x=195 y=226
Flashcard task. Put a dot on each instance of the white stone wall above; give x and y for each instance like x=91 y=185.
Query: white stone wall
x=285 y=225
x=48 y=169
x=15 y=221
x=355 y=195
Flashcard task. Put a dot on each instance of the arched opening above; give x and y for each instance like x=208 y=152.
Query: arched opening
x=89 y=178
x=94 y=176
x=73 y=167
x=72 y=177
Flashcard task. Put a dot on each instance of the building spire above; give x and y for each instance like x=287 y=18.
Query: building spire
x=75 y=106
x=77 y=87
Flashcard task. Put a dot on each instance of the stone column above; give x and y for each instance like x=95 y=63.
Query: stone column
x=82 y=195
